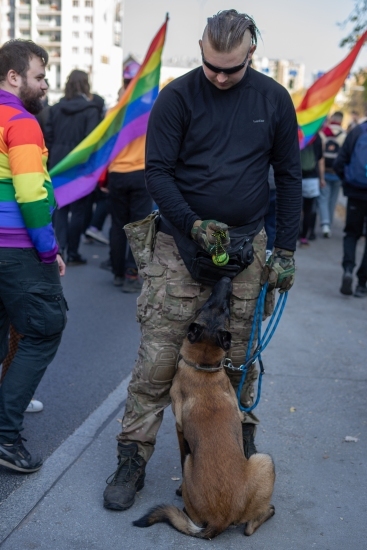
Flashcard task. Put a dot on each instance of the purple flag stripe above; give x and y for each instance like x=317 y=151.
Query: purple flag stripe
x=133 y=130
x=78 y=188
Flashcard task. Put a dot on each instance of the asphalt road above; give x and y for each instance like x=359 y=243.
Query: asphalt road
x=314 y=397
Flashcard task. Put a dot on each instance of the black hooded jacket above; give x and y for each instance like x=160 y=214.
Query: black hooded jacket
x=69 y=122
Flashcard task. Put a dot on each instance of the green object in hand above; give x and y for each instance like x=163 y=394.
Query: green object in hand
x=221 y=259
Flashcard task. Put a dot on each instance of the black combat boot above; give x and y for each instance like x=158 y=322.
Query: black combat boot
x=248 y=436
x=127 y=480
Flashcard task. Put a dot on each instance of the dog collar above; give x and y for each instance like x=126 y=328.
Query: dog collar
x=206 y=368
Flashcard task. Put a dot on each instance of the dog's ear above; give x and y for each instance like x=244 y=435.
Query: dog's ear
x=224 y=339
x=194 y=332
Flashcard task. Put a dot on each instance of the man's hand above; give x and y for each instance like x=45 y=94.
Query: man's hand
x=279 y=270
x=61 y=265
x=208 y=233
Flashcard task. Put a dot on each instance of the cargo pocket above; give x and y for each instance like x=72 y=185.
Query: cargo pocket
x=243 y=301
x=181 y=301
x=149 y=303
x=45 y=308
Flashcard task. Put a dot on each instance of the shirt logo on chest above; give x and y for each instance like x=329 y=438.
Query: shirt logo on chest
x=258 y=120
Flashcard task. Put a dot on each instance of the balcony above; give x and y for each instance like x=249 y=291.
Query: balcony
x=49 y=5
x=49 y=39
x=47 y=27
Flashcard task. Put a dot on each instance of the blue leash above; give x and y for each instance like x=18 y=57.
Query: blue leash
x=262 y=342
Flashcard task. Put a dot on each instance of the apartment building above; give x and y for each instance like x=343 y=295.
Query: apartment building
x=77 y=34
x=287 y=72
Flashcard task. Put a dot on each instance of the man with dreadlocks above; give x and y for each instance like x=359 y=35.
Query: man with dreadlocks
x=212 y=136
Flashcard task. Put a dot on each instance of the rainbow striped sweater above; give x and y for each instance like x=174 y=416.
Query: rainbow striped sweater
x=26 y=193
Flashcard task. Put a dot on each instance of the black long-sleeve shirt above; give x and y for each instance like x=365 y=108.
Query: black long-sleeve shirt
x=208 y=153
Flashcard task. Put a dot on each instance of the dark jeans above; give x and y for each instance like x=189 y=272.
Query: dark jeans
x=270 y=221
x=68 y=231
x=31 y=299
x=129 y=201
x=356 y=214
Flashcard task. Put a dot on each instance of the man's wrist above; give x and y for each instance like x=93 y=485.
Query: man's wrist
x=194 y=229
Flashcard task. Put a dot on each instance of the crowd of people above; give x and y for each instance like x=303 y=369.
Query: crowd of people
x=221 y=156
x=337 y=158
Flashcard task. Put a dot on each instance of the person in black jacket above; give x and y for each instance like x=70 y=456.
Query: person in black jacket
x=356 y=191
x=69 y=122
x=212 y=135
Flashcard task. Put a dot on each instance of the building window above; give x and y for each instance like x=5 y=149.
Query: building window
x=105 y=59
x=89 y=3
x=89 y=19
x=75 y=34
x=89 y=35
x=75 y=18
x=88 y=50
x=75 y=3
x=75 y=50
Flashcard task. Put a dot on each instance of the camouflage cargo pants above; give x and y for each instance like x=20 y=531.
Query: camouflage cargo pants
x=166 y=307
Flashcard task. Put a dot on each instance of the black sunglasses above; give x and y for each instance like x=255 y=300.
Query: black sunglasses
x=230 y=70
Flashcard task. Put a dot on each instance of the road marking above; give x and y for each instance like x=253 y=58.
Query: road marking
x=22 y=501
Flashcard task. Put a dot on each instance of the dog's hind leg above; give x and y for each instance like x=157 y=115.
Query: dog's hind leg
x=261 y=478
x=254 y=524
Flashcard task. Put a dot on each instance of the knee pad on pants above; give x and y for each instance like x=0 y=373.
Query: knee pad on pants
x=164 y=367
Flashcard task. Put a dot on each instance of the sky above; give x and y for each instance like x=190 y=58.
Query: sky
x=305 y=31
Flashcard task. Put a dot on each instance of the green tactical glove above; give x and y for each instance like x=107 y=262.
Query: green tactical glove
x=279 y=270
x=209 y=233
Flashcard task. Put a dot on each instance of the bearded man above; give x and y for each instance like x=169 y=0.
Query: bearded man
x=31 y=296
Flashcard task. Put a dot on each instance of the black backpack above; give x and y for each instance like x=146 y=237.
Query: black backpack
x=331 y=150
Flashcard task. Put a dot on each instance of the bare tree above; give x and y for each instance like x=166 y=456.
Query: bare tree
x=358 y=18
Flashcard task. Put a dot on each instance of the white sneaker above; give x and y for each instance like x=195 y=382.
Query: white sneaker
x=326 y=231
x=34 y=406
x=97 y=235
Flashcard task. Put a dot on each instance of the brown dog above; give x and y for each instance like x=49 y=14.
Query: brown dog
x=220 y=486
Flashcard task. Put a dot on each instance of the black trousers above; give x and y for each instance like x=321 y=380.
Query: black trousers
x=356 y=215
x=129 y=201
x=69 y=229
x=308 y=219
x=96 y=217
x=31 y=299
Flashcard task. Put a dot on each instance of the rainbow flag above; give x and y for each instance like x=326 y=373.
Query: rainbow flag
x=319 y=98
x=78 y=173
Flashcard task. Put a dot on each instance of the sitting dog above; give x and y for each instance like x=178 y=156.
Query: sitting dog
x=220 y=486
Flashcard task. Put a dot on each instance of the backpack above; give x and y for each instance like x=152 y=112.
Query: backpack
x=331 y=150
x=356 y=171
x=308 y=158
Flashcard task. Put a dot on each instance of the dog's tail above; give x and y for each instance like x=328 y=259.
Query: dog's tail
x=177 y=519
